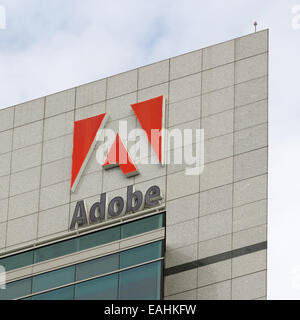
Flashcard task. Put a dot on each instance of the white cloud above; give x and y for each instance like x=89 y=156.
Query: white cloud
x=58 y=45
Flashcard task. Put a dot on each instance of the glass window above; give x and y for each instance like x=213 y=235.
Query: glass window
x=140 y=254
x=17 y=261
x=55 y=250
x=141 y=283
x=141 y=226
x=138 y=283
x=98 y=238
x=105 y=288
x=81 y=243
x=97 y=267
x=66 y=293
x=53 y=279
x=16 y=289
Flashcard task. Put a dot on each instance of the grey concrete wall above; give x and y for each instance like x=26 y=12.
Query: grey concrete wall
x=222 y=89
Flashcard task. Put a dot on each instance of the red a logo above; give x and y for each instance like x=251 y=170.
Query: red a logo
x=151 y=117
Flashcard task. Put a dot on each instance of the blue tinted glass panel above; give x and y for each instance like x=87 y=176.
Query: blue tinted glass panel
x=84 y=242
x=55 y=250
x=141 y=254
x=53 y=279
x=97 y=267
x=105 y=288
x=66 y=293
x=99 y=238
x=16 y=289
x=141 y=226
x=17 y=261
x=142 y=283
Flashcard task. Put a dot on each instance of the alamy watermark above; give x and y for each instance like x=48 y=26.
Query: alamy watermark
x=2 y=18
x=178 y=147
x=2 y=278
x=296 y=17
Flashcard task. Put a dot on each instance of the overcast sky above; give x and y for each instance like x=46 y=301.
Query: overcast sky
x=52 y=45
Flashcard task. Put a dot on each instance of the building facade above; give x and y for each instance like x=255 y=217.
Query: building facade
x=191 y=236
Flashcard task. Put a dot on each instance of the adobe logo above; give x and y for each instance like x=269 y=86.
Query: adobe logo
x=151 y=117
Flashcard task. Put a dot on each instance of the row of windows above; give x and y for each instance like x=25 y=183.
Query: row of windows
x=83 y=242
x=84 y=271
x=140 y=283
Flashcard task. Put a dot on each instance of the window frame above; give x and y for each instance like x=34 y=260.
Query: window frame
x=81 y=234
x=161 y=259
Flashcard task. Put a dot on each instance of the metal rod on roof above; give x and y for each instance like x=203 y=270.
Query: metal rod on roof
x=255 y=25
